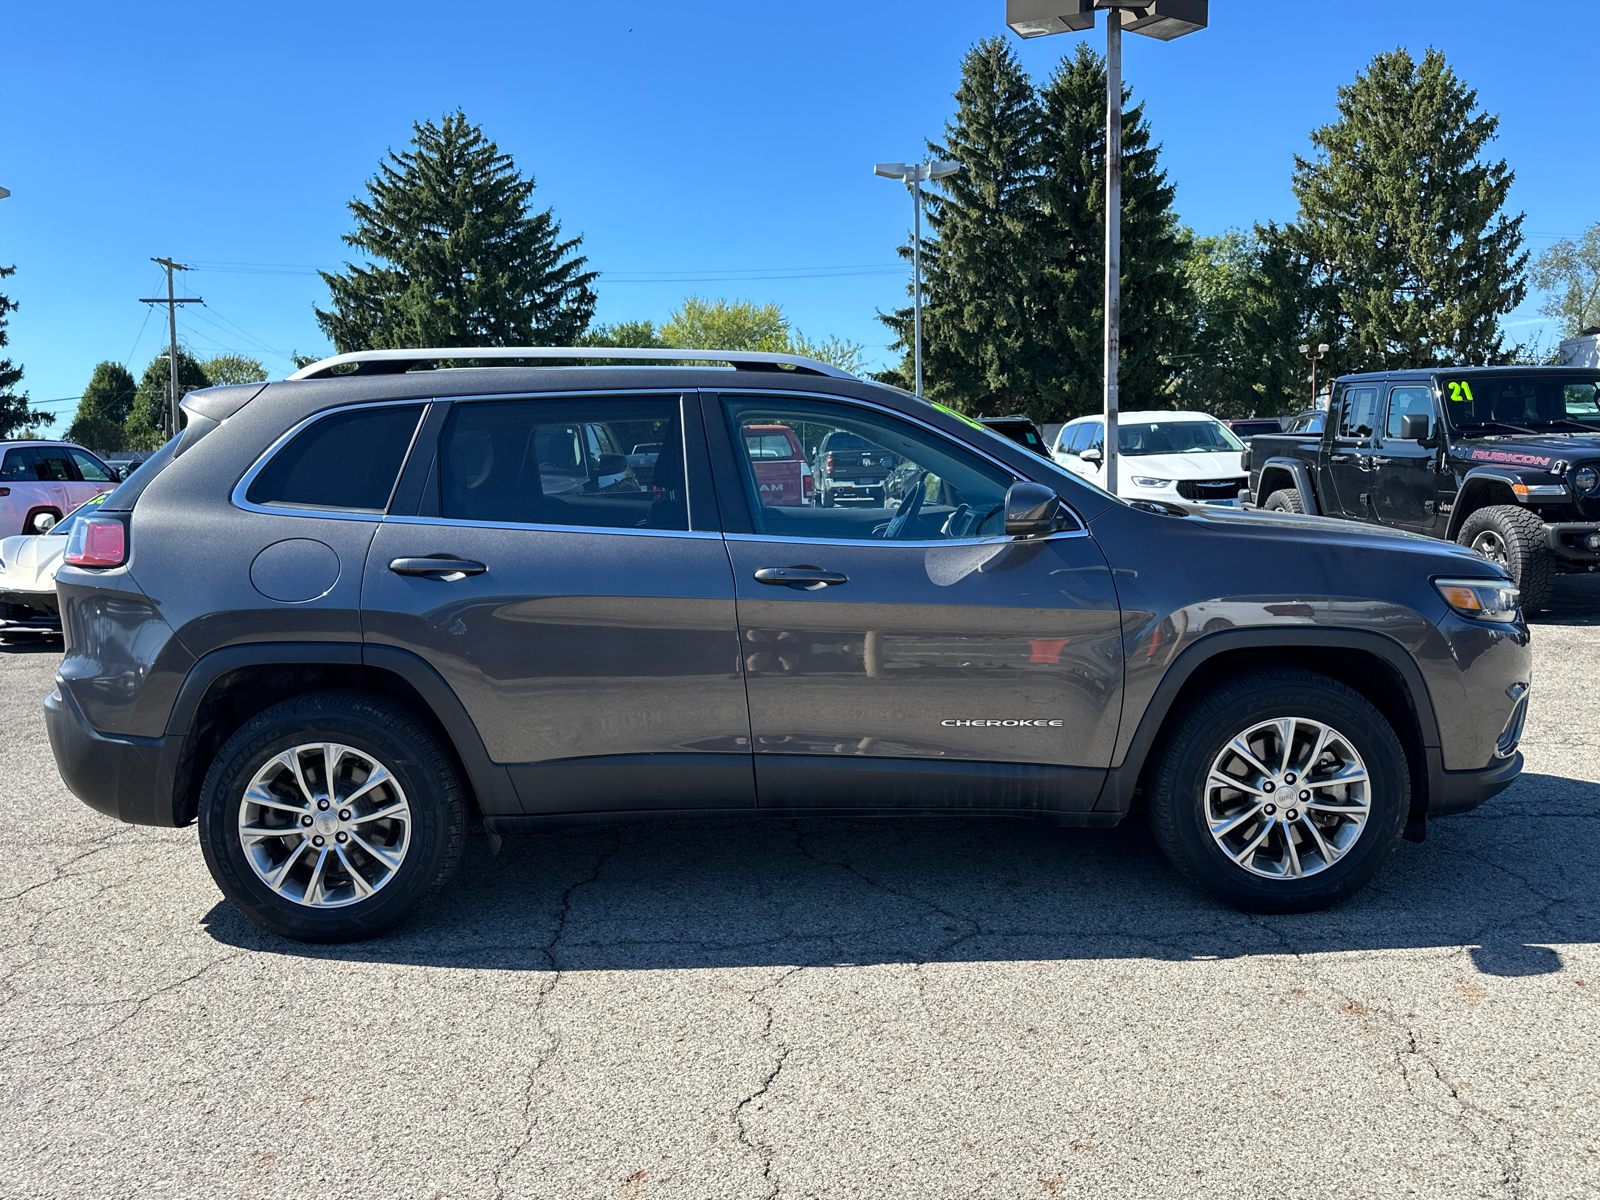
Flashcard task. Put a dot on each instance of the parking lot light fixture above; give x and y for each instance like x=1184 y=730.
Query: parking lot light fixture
x=914 y=176
x=4 y=192
x=1322 y=353
x=1163 y=20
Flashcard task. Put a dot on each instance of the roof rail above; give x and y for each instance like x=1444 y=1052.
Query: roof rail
x=363 y=363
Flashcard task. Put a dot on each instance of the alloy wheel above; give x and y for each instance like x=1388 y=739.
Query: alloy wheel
x=1492 y=546
x=324 y=825
x=1287 y=798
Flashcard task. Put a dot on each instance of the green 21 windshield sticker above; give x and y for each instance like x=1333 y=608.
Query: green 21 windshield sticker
x=1460 y=391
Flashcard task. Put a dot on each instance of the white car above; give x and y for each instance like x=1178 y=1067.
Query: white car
x=28 y=565
x=1188 y=457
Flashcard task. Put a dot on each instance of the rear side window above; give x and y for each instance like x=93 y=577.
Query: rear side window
x=347 y=462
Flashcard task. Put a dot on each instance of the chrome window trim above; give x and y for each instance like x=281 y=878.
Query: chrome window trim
x=996 y=540
x=237 y=496
x=628 y=530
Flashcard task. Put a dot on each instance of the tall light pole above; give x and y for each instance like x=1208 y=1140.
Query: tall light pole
x=1160 y=19
x=1322 y=353
x=914 y=177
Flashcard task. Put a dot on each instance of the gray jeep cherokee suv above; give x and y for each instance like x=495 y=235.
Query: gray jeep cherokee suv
x=338 y=613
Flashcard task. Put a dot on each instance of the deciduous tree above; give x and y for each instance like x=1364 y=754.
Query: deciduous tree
x=1571 y=271
x=233 y=368
x=147 y=420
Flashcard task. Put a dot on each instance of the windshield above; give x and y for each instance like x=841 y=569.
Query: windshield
x=1508 y=403
x=1176 y=437
x=65 y=525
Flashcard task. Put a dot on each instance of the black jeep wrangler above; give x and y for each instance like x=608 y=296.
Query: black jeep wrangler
x=1505 y=460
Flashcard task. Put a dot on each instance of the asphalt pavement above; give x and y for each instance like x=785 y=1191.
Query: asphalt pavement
x=909 y=1008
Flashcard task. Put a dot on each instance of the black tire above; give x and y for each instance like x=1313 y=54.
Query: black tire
x=1177 y=793
x=1285 y=500
x=1514 y=538
x=373 y=727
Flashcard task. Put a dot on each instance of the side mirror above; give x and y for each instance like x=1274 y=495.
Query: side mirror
x=1091 y=455
x=1033 y=510
x=44 y=522
x=1414 y=427
x=613 y=464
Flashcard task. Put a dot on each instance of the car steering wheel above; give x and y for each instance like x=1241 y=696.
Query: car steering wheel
x=909 y=508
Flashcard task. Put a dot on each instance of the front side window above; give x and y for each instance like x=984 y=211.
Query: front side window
x=345 y=462
x=887 y=478
x=1359 y=416
x=1404 y=402
x=90 y=468
x=556 y=462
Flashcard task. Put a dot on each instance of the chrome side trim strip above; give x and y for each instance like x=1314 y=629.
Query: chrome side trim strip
x=1000 y=540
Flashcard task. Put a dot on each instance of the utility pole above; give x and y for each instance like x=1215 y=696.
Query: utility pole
x=172 y=301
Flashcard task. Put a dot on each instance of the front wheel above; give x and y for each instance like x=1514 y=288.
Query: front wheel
x=331 y=817
x=1513 y=537
x=1285 y=500
x=1280 y=791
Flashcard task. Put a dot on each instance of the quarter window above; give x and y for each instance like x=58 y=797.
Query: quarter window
x=19 y=465
x=346 y=462
x=559 y=462
x=869 y=471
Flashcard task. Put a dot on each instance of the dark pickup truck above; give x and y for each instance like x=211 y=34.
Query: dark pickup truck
x=1505 y=460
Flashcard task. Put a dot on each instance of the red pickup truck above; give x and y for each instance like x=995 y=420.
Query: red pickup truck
x=781 y=470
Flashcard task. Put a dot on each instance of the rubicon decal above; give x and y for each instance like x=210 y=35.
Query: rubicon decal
x=1503 y=456
x=981 y=723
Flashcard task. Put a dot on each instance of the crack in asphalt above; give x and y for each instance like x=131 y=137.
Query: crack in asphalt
x=551 y=1038
x=765 y=1152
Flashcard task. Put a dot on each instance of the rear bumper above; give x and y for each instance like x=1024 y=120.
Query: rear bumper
x=1452 y=792
x=129 y=778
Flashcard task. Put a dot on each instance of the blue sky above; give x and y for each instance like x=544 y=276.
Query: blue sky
x=702 y=146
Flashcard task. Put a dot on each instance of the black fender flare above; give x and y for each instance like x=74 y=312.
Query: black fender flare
x=1475 y=481
x=1117 y=793
x=489 y=780
x=1299 y=473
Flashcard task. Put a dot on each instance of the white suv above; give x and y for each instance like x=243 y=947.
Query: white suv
x=42 y=481
x=1185 y=456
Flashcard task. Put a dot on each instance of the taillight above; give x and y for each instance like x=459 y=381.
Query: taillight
x=827 y=463
x=98 y=542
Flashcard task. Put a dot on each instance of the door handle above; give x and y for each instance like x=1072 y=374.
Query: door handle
x=438 y=566
x=808 y=579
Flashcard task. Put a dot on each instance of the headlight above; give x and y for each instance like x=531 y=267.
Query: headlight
x=1481 y=599
x=1146 y=481
x=1586 y=480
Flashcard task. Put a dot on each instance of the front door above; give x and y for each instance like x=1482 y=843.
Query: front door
x=1352 y=446
x=584 y=618
x=913 y=655
x=1407 y=485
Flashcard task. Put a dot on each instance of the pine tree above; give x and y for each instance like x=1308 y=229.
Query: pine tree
x=1412 y=261
x=104 y=408
x=980 y=318
x=458 y=258
x=14 y=411
x=1156 y=305
x=147 y=419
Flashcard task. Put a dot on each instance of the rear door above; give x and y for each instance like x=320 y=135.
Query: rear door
x=914 y=656
x=585 y=620
x=54 y=466
x=1351 y=449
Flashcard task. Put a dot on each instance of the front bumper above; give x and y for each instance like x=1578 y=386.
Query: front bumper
x=130 y=778
x=39 y=605
x=1451 y=792
x=1561 y=536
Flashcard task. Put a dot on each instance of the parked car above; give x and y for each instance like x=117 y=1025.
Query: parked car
x=340 y=613
x=1247 y=427
x=1020 y=430
x=1505 y=460
x=1312 y=420
x=28 y=565
x=40 y=481
x=642 y=461
x=851 y=470
x=782 y=474
x=1165 y=456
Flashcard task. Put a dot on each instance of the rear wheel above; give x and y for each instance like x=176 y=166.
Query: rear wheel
x=1513 y=537
x=1285 y=500
x=1280 y=791
x=331 y=817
